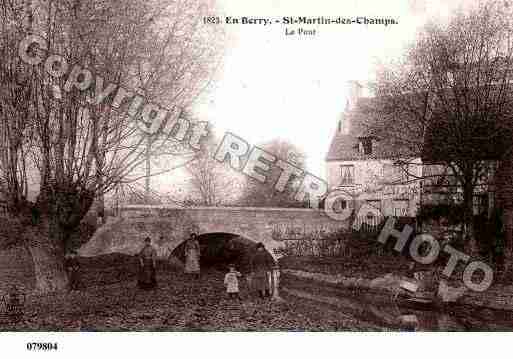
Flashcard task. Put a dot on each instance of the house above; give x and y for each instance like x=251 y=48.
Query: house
x=366 y=167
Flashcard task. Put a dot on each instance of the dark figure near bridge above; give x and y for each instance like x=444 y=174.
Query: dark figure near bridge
x=147 y=266
x=72 y=268
x=261 y=265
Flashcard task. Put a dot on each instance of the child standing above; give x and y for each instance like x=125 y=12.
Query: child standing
x=72 y=267
x=231 y=281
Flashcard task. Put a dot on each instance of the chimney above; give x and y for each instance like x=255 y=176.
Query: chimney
x=343 y=124
x=354 y=92
x=28 y=14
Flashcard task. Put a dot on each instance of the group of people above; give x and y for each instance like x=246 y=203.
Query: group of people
x=148 y=262
x=261 y=266
x=259 y=278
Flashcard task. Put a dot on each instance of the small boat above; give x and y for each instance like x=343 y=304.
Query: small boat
x=417 y=300
x=418 y=303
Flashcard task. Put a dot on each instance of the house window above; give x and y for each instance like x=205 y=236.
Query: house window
x=366 y=146
x=400 y=207
x=370 y=213
x=450 y=78
x=340 y=205
x=346 y=175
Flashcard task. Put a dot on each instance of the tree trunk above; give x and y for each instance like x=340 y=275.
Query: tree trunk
x=504 y=193
x=100 y=208
x=56 y=216
x=48 y=269
x=48 y=259
x=468 y=220
x=508 y=241
x=147 y=187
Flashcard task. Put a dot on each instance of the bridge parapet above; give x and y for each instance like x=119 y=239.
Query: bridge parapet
x=168 y=226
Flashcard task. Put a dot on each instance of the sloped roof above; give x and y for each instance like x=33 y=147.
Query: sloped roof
x=489 y=139
x=344 y=146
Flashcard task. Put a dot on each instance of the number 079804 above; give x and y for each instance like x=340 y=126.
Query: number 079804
x=33 y=346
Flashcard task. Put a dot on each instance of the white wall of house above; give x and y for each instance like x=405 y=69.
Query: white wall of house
x=378 y=183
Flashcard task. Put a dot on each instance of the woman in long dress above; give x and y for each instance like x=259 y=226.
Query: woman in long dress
x=192 y=255
x=261 y=266
x=147 y=266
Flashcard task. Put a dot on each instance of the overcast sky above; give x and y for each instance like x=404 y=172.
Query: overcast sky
x=273 y=85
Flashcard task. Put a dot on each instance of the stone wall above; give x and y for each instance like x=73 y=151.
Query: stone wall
x=369 y=179
x=168 y=227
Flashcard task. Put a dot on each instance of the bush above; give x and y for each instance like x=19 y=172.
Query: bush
x=333 y=244
x=453 y=212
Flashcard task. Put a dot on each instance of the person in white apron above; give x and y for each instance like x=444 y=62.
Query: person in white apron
x=231 y=282
x=192 y=255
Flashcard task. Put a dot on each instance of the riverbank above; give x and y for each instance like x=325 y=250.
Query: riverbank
x=378 y=306
x=497 y=297
x=109 y=300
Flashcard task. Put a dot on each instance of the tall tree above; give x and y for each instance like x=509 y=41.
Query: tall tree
x=257 y=194
x=449 y=99
x=69 y=131
x=212 y=183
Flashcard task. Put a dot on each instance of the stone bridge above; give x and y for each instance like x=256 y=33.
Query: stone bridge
x=169 y=226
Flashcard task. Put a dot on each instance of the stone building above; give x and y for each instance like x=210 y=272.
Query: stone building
x=369 y=168
x=365 y=167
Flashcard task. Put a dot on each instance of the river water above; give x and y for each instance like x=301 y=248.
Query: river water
x=385 y=312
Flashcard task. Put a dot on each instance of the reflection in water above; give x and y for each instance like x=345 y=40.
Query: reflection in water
x=393 y=316
x=431 y=321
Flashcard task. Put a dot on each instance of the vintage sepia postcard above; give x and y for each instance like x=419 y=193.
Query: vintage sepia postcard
x=169 y=167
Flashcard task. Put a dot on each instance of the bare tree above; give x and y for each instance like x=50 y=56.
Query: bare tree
x=449 y=99
x=212 y=183
x=66 y=127
x=257 y=194
x=163 y=158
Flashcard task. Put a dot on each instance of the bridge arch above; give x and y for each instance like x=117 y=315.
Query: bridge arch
x=220 y=249
x=170 y=226
x=235 y=236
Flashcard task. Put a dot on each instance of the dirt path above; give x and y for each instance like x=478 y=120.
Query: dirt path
x=180 y=304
